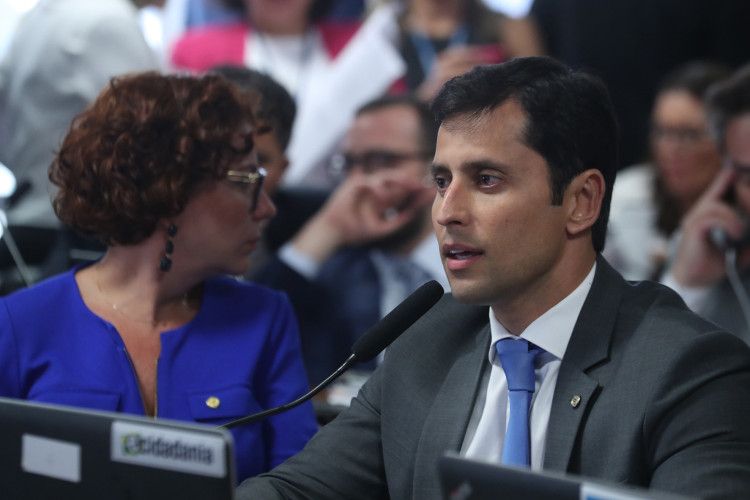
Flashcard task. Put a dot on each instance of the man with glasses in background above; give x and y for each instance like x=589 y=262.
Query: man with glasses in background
x=371 y=244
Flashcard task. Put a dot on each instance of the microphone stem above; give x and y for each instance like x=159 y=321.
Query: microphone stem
x=279 y=409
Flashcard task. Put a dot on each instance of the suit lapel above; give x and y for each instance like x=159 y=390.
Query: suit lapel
x=448 y=417
x=589 y=346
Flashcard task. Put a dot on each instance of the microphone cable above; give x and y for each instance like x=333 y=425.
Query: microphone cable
x=368 y=345
x=280 y=409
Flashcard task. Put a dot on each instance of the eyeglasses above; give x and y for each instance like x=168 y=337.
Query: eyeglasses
x=371 y=161
x=684 y=136
x=254 y=179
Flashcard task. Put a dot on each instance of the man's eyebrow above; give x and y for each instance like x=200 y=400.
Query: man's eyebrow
x=436 y=168
x=471 y=166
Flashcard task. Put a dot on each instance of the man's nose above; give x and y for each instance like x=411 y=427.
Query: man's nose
x=450 y=206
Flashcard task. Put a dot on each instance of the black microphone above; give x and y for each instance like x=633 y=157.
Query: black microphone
x=368 y=345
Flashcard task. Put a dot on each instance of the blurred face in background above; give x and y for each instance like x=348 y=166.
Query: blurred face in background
x=272 y=157
x=683 y=150
x=737 y=142
x=280 y=17
x=388 y=140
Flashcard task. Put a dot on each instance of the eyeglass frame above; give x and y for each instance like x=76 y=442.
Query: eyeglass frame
x=684 y=136
x=347 y=162
x=257 y=177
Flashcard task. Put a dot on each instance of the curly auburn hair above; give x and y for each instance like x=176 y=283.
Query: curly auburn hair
x=143 y=149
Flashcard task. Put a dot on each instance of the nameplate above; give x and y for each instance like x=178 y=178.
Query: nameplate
x=171 y=449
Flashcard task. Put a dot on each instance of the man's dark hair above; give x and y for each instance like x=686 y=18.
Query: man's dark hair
x=570 y=118
x=276 y=106
x=728 y=100
x=427 y=125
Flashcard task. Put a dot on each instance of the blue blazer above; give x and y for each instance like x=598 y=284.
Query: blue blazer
x=242 y=348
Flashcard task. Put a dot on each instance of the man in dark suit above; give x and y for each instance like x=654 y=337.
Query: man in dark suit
x=629 y=385
x=371 y=244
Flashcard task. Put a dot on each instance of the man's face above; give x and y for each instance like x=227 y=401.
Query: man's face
x=737 y=143
x=500 y=238
x=386 y=138
x=389 y=139
x=271 y=157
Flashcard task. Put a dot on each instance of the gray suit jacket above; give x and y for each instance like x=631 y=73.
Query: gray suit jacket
x=664 y=403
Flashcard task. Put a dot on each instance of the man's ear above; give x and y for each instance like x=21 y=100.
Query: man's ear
x=583 y=200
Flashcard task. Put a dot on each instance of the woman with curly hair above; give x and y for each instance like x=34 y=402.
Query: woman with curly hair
x=162 y=170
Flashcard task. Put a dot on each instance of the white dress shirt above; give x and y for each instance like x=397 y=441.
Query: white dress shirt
x=551 y=331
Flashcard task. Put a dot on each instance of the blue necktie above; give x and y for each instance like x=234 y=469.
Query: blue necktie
x=517 y=358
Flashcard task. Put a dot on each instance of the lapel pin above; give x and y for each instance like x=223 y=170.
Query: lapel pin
x=575 y=400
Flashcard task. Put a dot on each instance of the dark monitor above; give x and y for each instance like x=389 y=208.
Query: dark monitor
x=467 y=479
x=54 y=451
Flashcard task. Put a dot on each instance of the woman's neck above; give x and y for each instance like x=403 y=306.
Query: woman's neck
x=128 y=280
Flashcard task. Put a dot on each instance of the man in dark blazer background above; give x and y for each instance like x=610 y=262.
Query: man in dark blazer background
x=347 y=266
x=631 y=386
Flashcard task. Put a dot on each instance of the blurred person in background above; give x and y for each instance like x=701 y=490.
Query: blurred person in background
x=200 y=12
x=649 y=200
x=275 y=111
x=297 y=46
x=62 y=54
x=712 y=267
x=372 y=243
x=11 y=11
x=441 y=39
x=162 y=169
x=287 y=40
x=633 y=45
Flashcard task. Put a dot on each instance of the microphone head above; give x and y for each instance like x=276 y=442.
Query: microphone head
x=397 y=321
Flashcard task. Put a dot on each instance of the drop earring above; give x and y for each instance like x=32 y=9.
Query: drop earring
x=166 y=261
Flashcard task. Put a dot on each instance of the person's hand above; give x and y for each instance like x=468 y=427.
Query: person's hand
x=451 y=62
x=699 y=262
x=364 y=208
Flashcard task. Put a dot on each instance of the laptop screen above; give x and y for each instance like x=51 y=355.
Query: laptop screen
x=53 y=451
x=466 y=479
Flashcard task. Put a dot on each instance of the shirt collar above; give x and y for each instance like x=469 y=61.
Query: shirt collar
x=552 y=330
